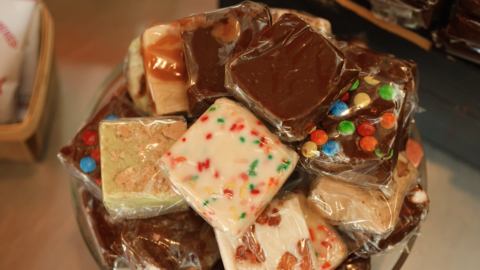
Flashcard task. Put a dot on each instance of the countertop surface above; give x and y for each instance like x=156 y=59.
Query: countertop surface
x=37 y=225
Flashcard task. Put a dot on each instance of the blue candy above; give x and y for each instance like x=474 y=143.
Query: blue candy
x=339 y=108
x=111 y=117
x=331 y=148
x=87 y=164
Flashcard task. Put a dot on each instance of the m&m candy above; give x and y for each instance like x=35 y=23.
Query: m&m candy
x=319 y=137
x=111 y=117
x=87 y=164
x=90 y=137
x=388 y=120
x=365 y=129
x=96 y=155
x=309 y=149
x=370 y=80
x=361 y=100
x=387 y=92
x=355 y=85
x=345 y=97
x=340 y=109
x=368 y=143
x=346 y=128
x=331 y=148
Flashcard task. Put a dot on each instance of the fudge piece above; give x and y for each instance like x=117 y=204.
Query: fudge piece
x=456 y=47
x=210 y=40
x=414 y=152
x=176 y=241
x=363 y=209
x=133 y=184
x=409 y=13
x=228 y=166
x=290 y=76
x=165 y=73
x=414 y=211
x=102 y=226
x=464 y=28
x=470 y=7
x=354 y=262
x=324 y=239
x=279 y=239
x=81 y=156
x=360 y=139
x=135 y=75
x=319 y=23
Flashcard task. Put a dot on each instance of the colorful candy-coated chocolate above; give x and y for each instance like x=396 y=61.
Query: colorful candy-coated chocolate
x=414 y=152
x=345 y=97
x=370 y=80
x=346 y=128
x=309 y=149
x=378 y=153
x=111 y=117
x=87 y=164
x=96 y=155
x=90 y=137
x=331 y=148
x=366 y=129
x=319 y=137
x=340 y=109
x=355 y=85
x=386 y=92
x=368 y=143
x=388 y=120
x=361 y=100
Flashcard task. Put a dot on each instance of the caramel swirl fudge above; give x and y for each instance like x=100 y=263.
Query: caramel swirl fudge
x=133 y=184
x=228 y=166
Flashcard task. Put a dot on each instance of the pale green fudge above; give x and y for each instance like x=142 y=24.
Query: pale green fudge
x=133 y=184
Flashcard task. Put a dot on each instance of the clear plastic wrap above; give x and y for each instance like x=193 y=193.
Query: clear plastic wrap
x=358 y=209
x=409 y=13
x=81 y=156
x=317 y=22
x=414 y=152
x=210 y=39
x=289 y=84
x=470 y=7
x=228 y=166
x=132 y=183
x=360 y=139
x=279 y=239
x=354 y=262
x=103 y=227
x=413 y=211
x=178 y=241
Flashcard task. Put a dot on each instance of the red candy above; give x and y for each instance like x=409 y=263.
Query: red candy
x=319 y=137
x=365 y=129
x=96 y=155
x=345 y=97
x=98 y=181
x=368 y=143
x=388 y=120
x=90 y=137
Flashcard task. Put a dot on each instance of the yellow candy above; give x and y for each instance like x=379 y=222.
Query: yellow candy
x=370 y=80
x=232 y=208
x=242 y=192
x=230 y=184
x=209 y=190
x=309 y=149
x=361 y=100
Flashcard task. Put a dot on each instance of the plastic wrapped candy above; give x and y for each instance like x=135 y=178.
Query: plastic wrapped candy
x=228 y=166
x=133 y=184
x=414 y=211
x=177 y=241
x=279 y=239
x=103 y=227
x=210 y=40
x=81 y=157
x=355 y=263
x=359 y=209
x=409 y=13
x=470 y=7
x=360 y=139
x=320 y=23
x=288 y=84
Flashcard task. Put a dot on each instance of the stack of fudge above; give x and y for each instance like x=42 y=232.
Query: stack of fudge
x=251 y=135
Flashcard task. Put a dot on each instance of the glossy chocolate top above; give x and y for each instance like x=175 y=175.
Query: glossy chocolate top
x=175 y=241
x=355 y=263
x=210 y=40
x=368 y=126
x=290 y=76
x=464 y=28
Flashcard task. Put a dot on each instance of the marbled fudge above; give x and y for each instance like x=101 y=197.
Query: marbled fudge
x=228 y=166
x=133 y=184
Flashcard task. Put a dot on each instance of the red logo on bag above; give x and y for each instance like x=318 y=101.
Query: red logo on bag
x=2 y=81
x=9 y=37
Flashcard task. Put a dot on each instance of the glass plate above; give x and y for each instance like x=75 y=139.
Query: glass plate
x=393 y=260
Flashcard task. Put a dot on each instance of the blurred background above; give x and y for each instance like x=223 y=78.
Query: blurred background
x=38 y=229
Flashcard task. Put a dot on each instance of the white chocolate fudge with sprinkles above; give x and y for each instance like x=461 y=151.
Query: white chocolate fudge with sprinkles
x=134 y=186
x=279 y=239
x=229 y=166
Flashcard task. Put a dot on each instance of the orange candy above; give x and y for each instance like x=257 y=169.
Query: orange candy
x=368 y=143
x=319 y=137
x=388 y=120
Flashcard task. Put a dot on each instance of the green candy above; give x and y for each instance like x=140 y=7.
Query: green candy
x=355 y=85
x=346 y=128
x=242 y=216
x=391 y=154
x=377 y=152
x=386 y=92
